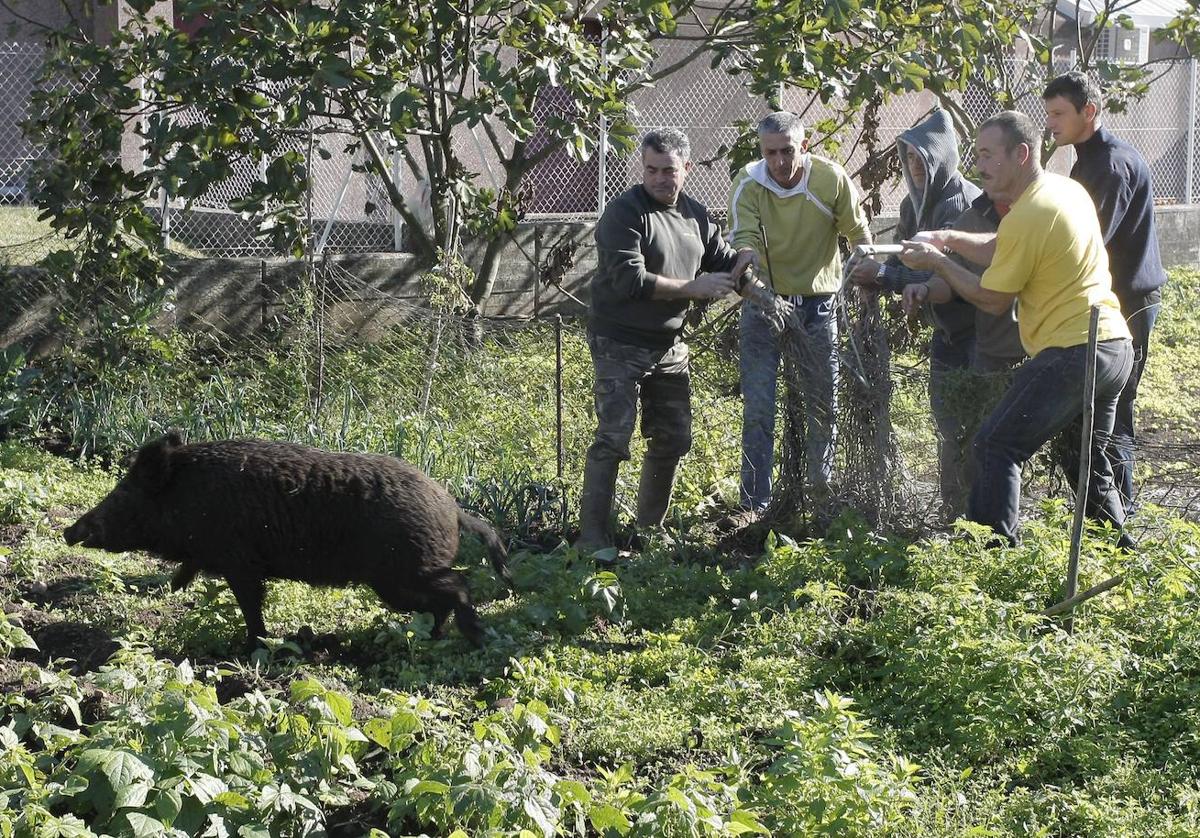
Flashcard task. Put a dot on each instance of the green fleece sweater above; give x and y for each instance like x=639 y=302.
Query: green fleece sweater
x=802 y=224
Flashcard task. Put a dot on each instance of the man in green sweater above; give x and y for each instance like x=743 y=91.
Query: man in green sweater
x=803 y=202
x=658 y=250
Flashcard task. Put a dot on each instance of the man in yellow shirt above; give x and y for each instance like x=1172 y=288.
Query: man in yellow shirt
x=1048 y=254
x=803 y=202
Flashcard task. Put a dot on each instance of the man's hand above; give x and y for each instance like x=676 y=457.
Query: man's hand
x=913 y=297
x=865 y=272
x=937 y=238
x=746 y=258
x=711 y=286
x=921 y=256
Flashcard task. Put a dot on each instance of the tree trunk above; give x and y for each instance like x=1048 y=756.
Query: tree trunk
x=485 y=279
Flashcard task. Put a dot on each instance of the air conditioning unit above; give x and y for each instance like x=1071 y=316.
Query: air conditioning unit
x=1124 y=45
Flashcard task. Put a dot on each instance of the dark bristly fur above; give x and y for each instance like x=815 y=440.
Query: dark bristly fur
x=253 y=510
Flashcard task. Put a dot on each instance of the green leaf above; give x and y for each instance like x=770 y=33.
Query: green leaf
x=145 y=826
x=544 y=814
x=206 y=787
x=427 y=787
x=606 y=816
x=840 y=13
x=168 y=805
x=232 y=799
x=305 y=689
x=742 y=822
x=127 y=773
x=132 y=795
x=607 y=554
x=379 y=731
x=340 y=706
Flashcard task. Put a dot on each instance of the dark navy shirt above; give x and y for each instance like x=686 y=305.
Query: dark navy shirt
x=1118 y=179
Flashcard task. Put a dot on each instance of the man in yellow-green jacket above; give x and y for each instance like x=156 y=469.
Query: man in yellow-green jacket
x=803 y=202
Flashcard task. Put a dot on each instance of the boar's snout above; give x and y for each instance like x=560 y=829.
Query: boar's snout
x=83 y=532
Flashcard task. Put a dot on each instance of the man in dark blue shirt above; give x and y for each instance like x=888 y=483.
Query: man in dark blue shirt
x=1118 y=179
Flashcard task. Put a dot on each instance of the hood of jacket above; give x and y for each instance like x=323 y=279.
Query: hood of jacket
x=761 y=174
x=937 y=143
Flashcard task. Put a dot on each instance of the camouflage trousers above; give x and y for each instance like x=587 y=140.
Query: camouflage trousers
x=659 y=379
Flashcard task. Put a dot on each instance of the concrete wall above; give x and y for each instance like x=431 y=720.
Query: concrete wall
x=1179 y=235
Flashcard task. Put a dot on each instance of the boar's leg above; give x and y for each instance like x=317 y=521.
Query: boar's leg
x=249 y=591
x=398 y=598
x=448 y=592
x=184 y=576
x=441 y=593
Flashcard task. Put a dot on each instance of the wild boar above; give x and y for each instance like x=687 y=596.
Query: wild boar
x=251 y=510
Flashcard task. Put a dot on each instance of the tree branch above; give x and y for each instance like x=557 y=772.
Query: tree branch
x=426 y=248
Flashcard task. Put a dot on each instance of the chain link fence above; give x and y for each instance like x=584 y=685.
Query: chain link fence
x=501 y=410
x=351 y=211
x=20 y=65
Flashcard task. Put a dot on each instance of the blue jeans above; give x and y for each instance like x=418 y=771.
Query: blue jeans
x=1140 y=313
x=1046 y=397
x=817 y=370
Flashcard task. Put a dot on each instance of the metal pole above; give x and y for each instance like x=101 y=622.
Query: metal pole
x=319 y=323
x=166 y=218
x=1085 y=463
x=558 y=396
x=262 y=291
x=602 y=169
x=558 y=413
x=1190 y=163
x=397 y=219
x=602 y=162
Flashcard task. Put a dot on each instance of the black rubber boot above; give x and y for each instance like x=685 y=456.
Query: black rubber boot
x=595 y=505
x=654 y=490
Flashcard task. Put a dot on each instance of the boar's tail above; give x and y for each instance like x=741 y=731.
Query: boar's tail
x=495 y=547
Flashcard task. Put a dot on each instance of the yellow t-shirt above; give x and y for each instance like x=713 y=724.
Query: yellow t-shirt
x=1050 y=253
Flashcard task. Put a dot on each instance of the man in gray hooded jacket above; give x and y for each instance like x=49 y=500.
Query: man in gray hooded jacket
x=938 y=195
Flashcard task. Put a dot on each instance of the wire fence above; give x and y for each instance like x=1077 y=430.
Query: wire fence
x=351 y=211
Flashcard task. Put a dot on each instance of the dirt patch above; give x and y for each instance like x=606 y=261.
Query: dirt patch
x=11 y=535
x=15 y=676
x=358 y=818
x=87 y=646
x=234 y=686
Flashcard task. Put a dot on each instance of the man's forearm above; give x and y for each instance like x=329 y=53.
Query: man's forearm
x=966 y=285
x=976 y=247
x=666 y=288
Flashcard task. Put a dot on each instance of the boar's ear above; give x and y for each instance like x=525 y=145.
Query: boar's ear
x=152 y=463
